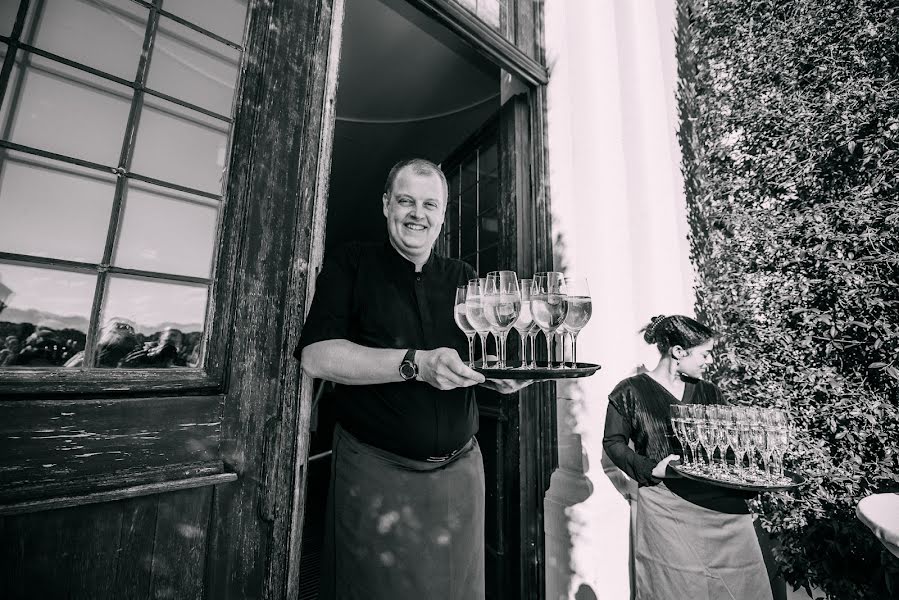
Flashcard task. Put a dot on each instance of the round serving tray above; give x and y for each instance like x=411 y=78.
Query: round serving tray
x=796 y=480
x=513 y=371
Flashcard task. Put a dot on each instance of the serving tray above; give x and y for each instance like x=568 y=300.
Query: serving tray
x=513 y=370
x=791 y=480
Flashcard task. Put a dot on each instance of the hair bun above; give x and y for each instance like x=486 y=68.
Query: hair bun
x=649 y=334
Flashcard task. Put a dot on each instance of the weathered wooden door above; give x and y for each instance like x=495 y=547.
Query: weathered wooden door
x=136 y=462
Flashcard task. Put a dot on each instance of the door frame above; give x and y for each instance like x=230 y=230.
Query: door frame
x=529 y=246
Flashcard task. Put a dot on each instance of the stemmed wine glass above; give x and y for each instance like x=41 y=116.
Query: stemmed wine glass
x=580 y=309
x=549 y=306
x=474 y=310
x=502 y=305
x=461 y=317
x=525 y=320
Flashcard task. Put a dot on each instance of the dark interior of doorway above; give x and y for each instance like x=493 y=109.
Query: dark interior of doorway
x=407 y=87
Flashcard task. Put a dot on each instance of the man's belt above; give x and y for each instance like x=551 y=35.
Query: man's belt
x=446 y=457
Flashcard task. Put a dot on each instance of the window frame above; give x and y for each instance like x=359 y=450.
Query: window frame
x=25 y=382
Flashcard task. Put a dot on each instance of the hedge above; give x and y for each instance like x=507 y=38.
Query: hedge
x=790 y=140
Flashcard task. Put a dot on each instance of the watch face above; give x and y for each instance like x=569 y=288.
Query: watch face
x=407 y=370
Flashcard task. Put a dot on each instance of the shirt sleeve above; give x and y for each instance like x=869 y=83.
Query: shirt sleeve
x=618 y=431
x=330 y=316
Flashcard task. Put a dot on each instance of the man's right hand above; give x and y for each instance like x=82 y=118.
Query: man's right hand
x=443 y=369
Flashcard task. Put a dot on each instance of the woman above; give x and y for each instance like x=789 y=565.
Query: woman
x=692 y=540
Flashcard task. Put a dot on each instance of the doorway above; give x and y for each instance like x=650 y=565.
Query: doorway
x=408 y=87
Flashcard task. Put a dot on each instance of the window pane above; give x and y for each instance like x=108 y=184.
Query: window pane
x=51 y=209
x=469 y=224
x=487 y=161
x=179 y=145
x=488 y=193
x=193 y=67
x=8 y=11
x=151 y=324
x=487 y=10
x=105 y=34
x=489 y=234
x=167 y=232
x=222 y=17
x=45 y=321
x=52 y=107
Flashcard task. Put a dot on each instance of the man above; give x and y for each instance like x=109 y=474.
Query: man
x=406 y=501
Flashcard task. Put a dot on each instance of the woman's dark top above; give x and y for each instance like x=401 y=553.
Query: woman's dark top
x=370 y=295
x=639 y=410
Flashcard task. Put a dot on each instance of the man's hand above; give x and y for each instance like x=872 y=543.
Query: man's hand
x=443 y=369
x=507 y=386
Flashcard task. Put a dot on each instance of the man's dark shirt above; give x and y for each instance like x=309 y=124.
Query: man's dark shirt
x=370 y=295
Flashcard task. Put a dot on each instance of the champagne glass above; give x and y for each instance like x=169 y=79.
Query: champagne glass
x=549 y=305
x=703 y=431
x=462 y=322
x=502 y=305
x=756 y=435
x=720 y=436
x=780 y=434
x=474 y=310
x=525 y=320
x=691 y=432
x=732 y=432
x=580 y=309
x=678 y=415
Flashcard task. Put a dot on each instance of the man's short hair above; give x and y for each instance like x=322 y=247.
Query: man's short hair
x=419 y=166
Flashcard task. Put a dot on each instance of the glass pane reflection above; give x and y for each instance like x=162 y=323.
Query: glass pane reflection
x=151 y=324
x=222 y=17
x=193 y=67
x=52 y=107
x=105 y=34
x=44 y=315
x=180 y=146
x=52 y=209
x=167 y=232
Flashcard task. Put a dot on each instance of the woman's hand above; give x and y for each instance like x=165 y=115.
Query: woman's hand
x=660 y=469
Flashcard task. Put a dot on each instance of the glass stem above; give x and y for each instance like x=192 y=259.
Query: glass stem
x=523 y=349
x=501 y=348
x=483 y=337
x=574 y=349
x=533 y=339
x=470 y=337
x=549 y=335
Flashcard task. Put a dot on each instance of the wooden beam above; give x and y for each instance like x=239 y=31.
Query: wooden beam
x=30 y=506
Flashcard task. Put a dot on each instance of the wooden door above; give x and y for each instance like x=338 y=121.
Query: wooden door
x=143 y=479
x=496 y=220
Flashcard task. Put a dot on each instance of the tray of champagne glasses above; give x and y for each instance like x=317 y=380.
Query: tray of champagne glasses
x=540 y=370
x=736 y=447
x=551 y=305
x=732 y=478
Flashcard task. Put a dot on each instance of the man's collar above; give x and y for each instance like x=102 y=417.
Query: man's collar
x=404 y=263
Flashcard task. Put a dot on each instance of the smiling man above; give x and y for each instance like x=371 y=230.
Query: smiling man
x=405 y=514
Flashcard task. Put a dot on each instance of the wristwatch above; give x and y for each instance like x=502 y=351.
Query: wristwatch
x=408 y=368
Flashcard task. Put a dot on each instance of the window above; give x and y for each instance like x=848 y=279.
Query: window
x=115 y=125
x=471 y=230
x=487 y=11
